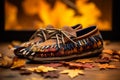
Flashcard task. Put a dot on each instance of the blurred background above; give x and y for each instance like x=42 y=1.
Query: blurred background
x=34 y=14
x=21 y=18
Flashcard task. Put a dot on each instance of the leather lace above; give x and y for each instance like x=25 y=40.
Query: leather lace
x=60 y=35
x=41 y=33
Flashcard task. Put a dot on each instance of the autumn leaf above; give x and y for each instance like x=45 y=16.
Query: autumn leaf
x=105 y=56
x=53 y=65
x=115 y=60
x=78 y=65
x=102 y=60
x=18 y=63
x=15 y=43
x=41 y=69
x=110 y=55
x=31 y=69
x=88 y=65
x=84 y=61
x=72 y=73
x=106 y=66
x=72 y=64
x=44 y=69
x=51 y=74
x=5 y=61
x=116 y=57
x=108 y=51
x=118 y=52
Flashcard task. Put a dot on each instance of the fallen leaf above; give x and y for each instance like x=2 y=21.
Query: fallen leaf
x=118 y=52
x=51 y=74
x=15 y=43
x=115 y=60
x=106 y=66
x=5 y=61
x=18 y=63
x=53 y=65
x=72 y=64
x=88 y=65
x=44 y=69
x=72 y=73
x=65 y=63
x=84 y=61
x=78 y=65
x=102 y=61
x=116 y=57
x=105 y=56
x=41 y=69
x=11 y=47
x=108 y=51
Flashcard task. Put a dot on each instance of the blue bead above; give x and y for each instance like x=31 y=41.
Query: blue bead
x=68 y=45
x=91 y=42
x=71 y=45
x=91 y=39
x=65 y=47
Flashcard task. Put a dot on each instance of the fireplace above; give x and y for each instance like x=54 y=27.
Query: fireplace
x=23 y=17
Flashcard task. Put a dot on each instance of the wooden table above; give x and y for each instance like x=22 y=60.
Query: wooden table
x=90 y=74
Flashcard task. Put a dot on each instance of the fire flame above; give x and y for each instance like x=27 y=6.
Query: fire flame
x=58 y=16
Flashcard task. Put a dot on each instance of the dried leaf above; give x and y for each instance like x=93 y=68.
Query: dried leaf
x=11 y=47
x=115 y=60
x=105 y=56
x=18 y=63
x=84 y=61
x=15 y=43
x=106 y=66
x=116 y=57
x=41 y=69
x=45 y=69
x=102 y=61
x=108 y=51
x=53 y=65
x=75 y=65
x=72 y=64
x=51 y=74
x=73 y=72
x=118 y=52
x=6 y=61
x=78 y=65
x=88 y=65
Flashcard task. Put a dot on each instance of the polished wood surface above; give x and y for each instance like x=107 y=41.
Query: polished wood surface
x=90 y=74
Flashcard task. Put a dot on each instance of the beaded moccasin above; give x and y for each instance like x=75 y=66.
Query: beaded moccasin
x=65 y=44
x=41 y=35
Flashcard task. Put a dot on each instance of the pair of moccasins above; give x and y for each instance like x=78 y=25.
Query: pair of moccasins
x=52 y=45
